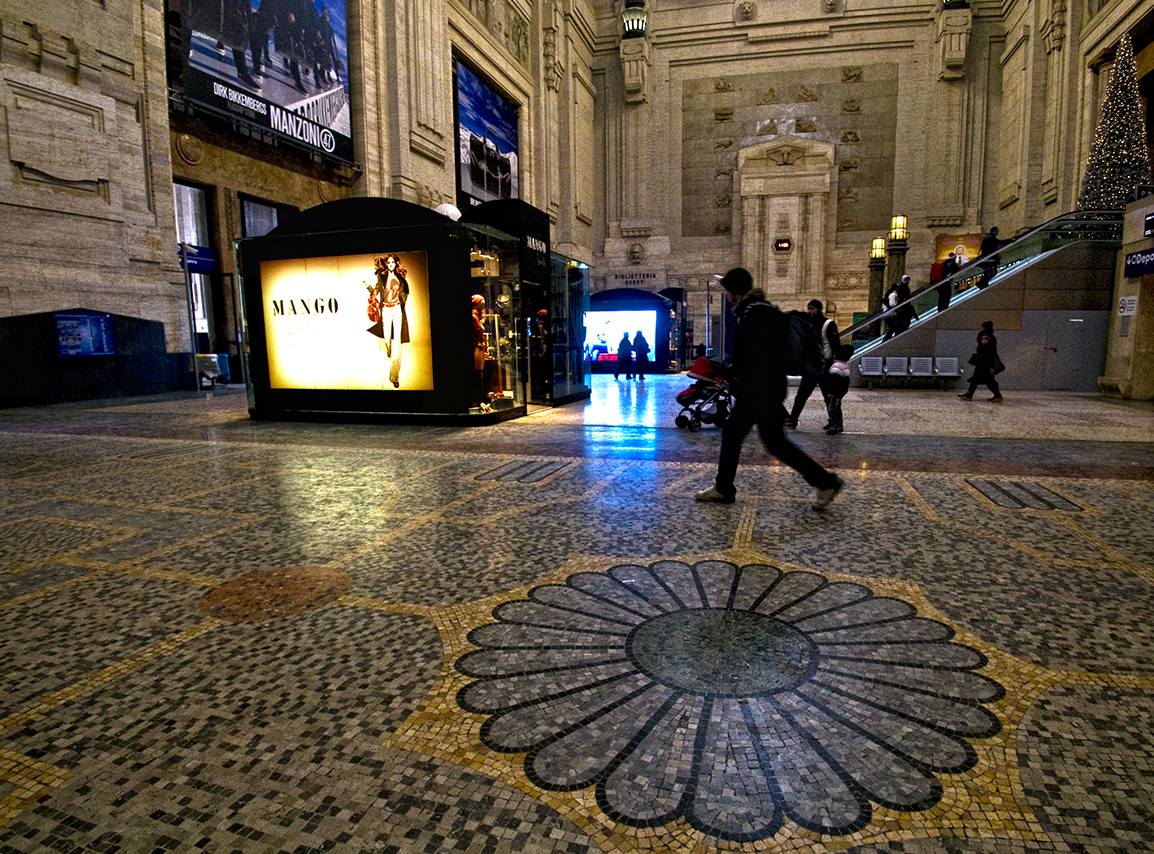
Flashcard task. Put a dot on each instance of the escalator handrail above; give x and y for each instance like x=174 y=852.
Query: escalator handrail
x=973 y=269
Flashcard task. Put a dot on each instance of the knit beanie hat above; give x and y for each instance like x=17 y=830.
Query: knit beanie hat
x=737 y=281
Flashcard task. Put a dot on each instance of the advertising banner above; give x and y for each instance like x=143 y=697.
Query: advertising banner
x=348 y=322
x=278 y=65
x=487 y=140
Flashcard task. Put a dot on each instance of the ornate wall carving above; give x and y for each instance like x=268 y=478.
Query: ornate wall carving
x=863 y=137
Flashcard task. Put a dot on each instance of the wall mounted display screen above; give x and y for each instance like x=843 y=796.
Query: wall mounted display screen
x=603 y=330
x=84 y=335
x=278 y=65
x=487 y=140
x=348 y=322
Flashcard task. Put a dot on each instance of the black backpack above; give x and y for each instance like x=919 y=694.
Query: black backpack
x=803 y=351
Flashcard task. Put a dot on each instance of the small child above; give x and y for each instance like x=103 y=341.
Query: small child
x=834 y=386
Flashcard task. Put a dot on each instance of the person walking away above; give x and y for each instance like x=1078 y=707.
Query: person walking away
x=986 y=364
x=640 y=355
x=830 y=341
x=759 y=382
x=988 y=253
x=905 y=314
x=835 y=384
x=624 y=358
x=946 y=288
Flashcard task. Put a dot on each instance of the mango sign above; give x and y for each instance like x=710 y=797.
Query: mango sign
x=323 y=332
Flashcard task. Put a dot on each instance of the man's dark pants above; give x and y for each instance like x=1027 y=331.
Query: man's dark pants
x=768 y=419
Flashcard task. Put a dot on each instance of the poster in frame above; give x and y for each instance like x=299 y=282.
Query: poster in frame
x=487 y=151
x=348 y=322
x=277 y=65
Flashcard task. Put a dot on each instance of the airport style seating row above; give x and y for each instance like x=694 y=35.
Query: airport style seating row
x=909 y=370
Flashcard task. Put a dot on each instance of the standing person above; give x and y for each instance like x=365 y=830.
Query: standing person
x=640 y=355
x=758 y=378
x=904 y=314
x=830 y=341
x=624 y=358
x=946 y=288
x=986 y=364
x=891 y=318
x=834 y=386
x=988 y=253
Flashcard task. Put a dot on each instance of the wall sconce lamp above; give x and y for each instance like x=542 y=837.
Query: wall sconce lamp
x=634 y=18
x=878 y=249
x=899 y=227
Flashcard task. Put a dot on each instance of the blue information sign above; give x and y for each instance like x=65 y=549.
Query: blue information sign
x=84 y=335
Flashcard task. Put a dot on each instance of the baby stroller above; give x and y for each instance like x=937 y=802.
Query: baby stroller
x=708 y=400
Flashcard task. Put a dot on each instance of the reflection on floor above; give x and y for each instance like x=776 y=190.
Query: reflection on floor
x=223 y=635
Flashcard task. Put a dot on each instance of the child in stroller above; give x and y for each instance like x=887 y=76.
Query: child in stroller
x=708 y=400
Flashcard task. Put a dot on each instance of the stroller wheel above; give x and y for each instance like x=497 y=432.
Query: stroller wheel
x=694 y=425
x=681 y=420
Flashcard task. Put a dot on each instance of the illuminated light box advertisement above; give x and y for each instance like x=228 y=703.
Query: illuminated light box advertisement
x=603 y=331
x=280 y=65
x=348 y=322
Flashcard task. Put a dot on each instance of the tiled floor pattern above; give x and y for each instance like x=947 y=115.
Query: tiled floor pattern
x=259 y=646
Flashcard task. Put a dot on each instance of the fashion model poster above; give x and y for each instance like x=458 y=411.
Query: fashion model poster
x=281 y=65
x=348 y=322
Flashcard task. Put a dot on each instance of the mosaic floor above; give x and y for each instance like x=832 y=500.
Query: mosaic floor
x=220 y=635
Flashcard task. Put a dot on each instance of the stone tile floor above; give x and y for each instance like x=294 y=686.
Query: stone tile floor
x=222 y=635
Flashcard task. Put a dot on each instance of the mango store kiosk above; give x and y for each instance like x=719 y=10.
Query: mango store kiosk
x=381 y=308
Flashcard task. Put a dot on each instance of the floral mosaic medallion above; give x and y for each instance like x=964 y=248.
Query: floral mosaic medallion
x=736 y=698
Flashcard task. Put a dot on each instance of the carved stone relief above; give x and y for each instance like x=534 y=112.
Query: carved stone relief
x=805 y=94
x=851 y=137
x=805 y=125
x=767 y=128
x=722 y=201
x=723 y=172
x=850 y=164
x=746 y=10
x=722 y=85
x=723 y=228
x=722 y=144
x=851 y=74
x=851 y=105
x=723 y=114
x=953 y=38
x=769 y=96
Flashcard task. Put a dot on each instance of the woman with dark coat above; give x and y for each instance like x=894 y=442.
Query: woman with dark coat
x=984 y=361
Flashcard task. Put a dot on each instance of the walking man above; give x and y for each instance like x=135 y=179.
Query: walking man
x=830 y=341
x=759 y=383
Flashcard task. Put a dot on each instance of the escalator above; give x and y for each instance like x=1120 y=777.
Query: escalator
x=1016 y=256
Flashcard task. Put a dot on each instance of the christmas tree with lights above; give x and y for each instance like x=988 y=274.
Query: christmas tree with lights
x=1119 y=158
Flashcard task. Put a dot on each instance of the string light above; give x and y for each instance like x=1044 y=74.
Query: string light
x=1119 y=159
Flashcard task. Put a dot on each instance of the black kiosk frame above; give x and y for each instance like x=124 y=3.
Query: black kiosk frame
x=368 y=308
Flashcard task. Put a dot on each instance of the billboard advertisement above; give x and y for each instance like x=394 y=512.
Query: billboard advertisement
x=487 y=141
x=277 y=65
x=348 y=322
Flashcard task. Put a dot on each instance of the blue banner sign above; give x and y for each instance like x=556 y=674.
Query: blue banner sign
x=1139 y=263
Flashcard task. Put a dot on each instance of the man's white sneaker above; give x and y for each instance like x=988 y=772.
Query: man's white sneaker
x=825 y=496
x=712 y=494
